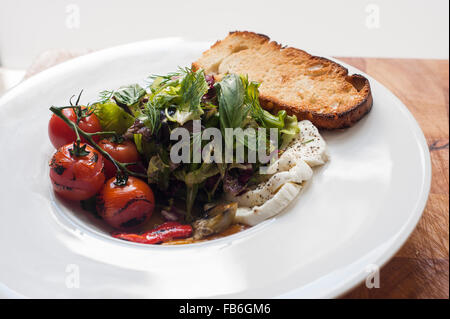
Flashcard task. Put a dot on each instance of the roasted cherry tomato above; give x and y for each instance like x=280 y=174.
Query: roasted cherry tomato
x=128 y=206
x=124 y=152
x=61 y=134
x=77 y=177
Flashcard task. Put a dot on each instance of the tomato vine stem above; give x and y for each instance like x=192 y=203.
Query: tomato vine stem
x=121 y=167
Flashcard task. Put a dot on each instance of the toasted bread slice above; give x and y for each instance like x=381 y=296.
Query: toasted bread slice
x=310 y=87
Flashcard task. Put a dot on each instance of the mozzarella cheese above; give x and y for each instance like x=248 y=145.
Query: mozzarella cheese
x=269 y=198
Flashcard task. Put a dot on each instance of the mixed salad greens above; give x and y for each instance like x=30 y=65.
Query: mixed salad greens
x=149 y=115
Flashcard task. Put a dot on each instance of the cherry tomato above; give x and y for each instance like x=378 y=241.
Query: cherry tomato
x=76 y=177
x=61 y=134
x=124 y=152
x=126 y=207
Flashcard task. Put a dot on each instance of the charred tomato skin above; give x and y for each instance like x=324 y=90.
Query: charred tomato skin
x=61 y=134
x=76 y=177
x=126 y=207
x=123 y=152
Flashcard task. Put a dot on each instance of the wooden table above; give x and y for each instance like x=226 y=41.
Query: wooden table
x=421 y=268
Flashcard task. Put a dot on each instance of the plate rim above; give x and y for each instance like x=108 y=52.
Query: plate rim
x=351 y=281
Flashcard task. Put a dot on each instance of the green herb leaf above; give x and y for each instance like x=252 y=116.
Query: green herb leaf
x=274 y=121
x=137 y=138
x=158 y=172
x=112 y=117
x=165 y=97
x=144 y=147
x=181 y=117
x=193 y=87
x=201 y=174
x=231 y=94
x=289 y=131
x=290 y=125
x=156 y=82
x=252 y=99
x=191 y=194
x=129 y=95
x=263 y=117
x=150 y=116
x=104 y=96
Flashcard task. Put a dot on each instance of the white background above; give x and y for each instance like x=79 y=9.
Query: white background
x=378 y=28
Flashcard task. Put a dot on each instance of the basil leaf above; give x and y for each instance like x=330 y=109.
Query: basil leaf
x=129 y=95
x=231 y=94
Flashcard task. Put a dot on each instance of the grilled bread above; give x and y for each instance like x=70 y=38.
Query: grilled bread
x=310 y=87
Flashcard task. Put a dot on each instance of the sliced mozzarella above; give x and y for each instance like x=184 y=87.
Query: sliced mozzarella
x=307 y=149
x=309 y=145
x=256 y=214
x=290 y=169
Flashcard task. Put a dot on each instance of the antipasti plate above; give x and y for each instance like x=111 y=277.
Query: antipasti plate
x=352 y=217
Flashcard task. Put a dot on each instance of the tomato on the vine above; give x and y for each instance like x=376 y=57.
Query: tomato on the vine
x=61 y=134
x=123 y=152
x=128 y=206
x=77 y=177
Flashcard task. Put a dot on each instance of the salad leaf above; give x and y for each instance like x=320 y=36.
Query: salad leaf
x=274 y=121
x=129 y=95
x=151 y=117
x=112 y=117
x=104 y=96
x=263 y=117
x=289 y=131
x=252 y=98
x=137 y=138
x=165 y=96
x=290 y=125
x=183 y=90
x=156 y=82
x=158 y=172
x=183 y=116
x=231 y=93
x=191 y=194
x=201 y=174
x=144 y=147
x=193 y=179
x=193 y=87
x=191 y=90
x=248 y=139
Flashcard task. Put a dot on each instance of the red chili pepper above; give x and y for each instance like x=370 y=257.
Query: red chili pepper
x=166 y=231
x=136 y=238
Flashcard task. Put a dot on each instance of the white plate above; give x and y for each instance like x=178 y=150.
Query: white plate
x=357 y=211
